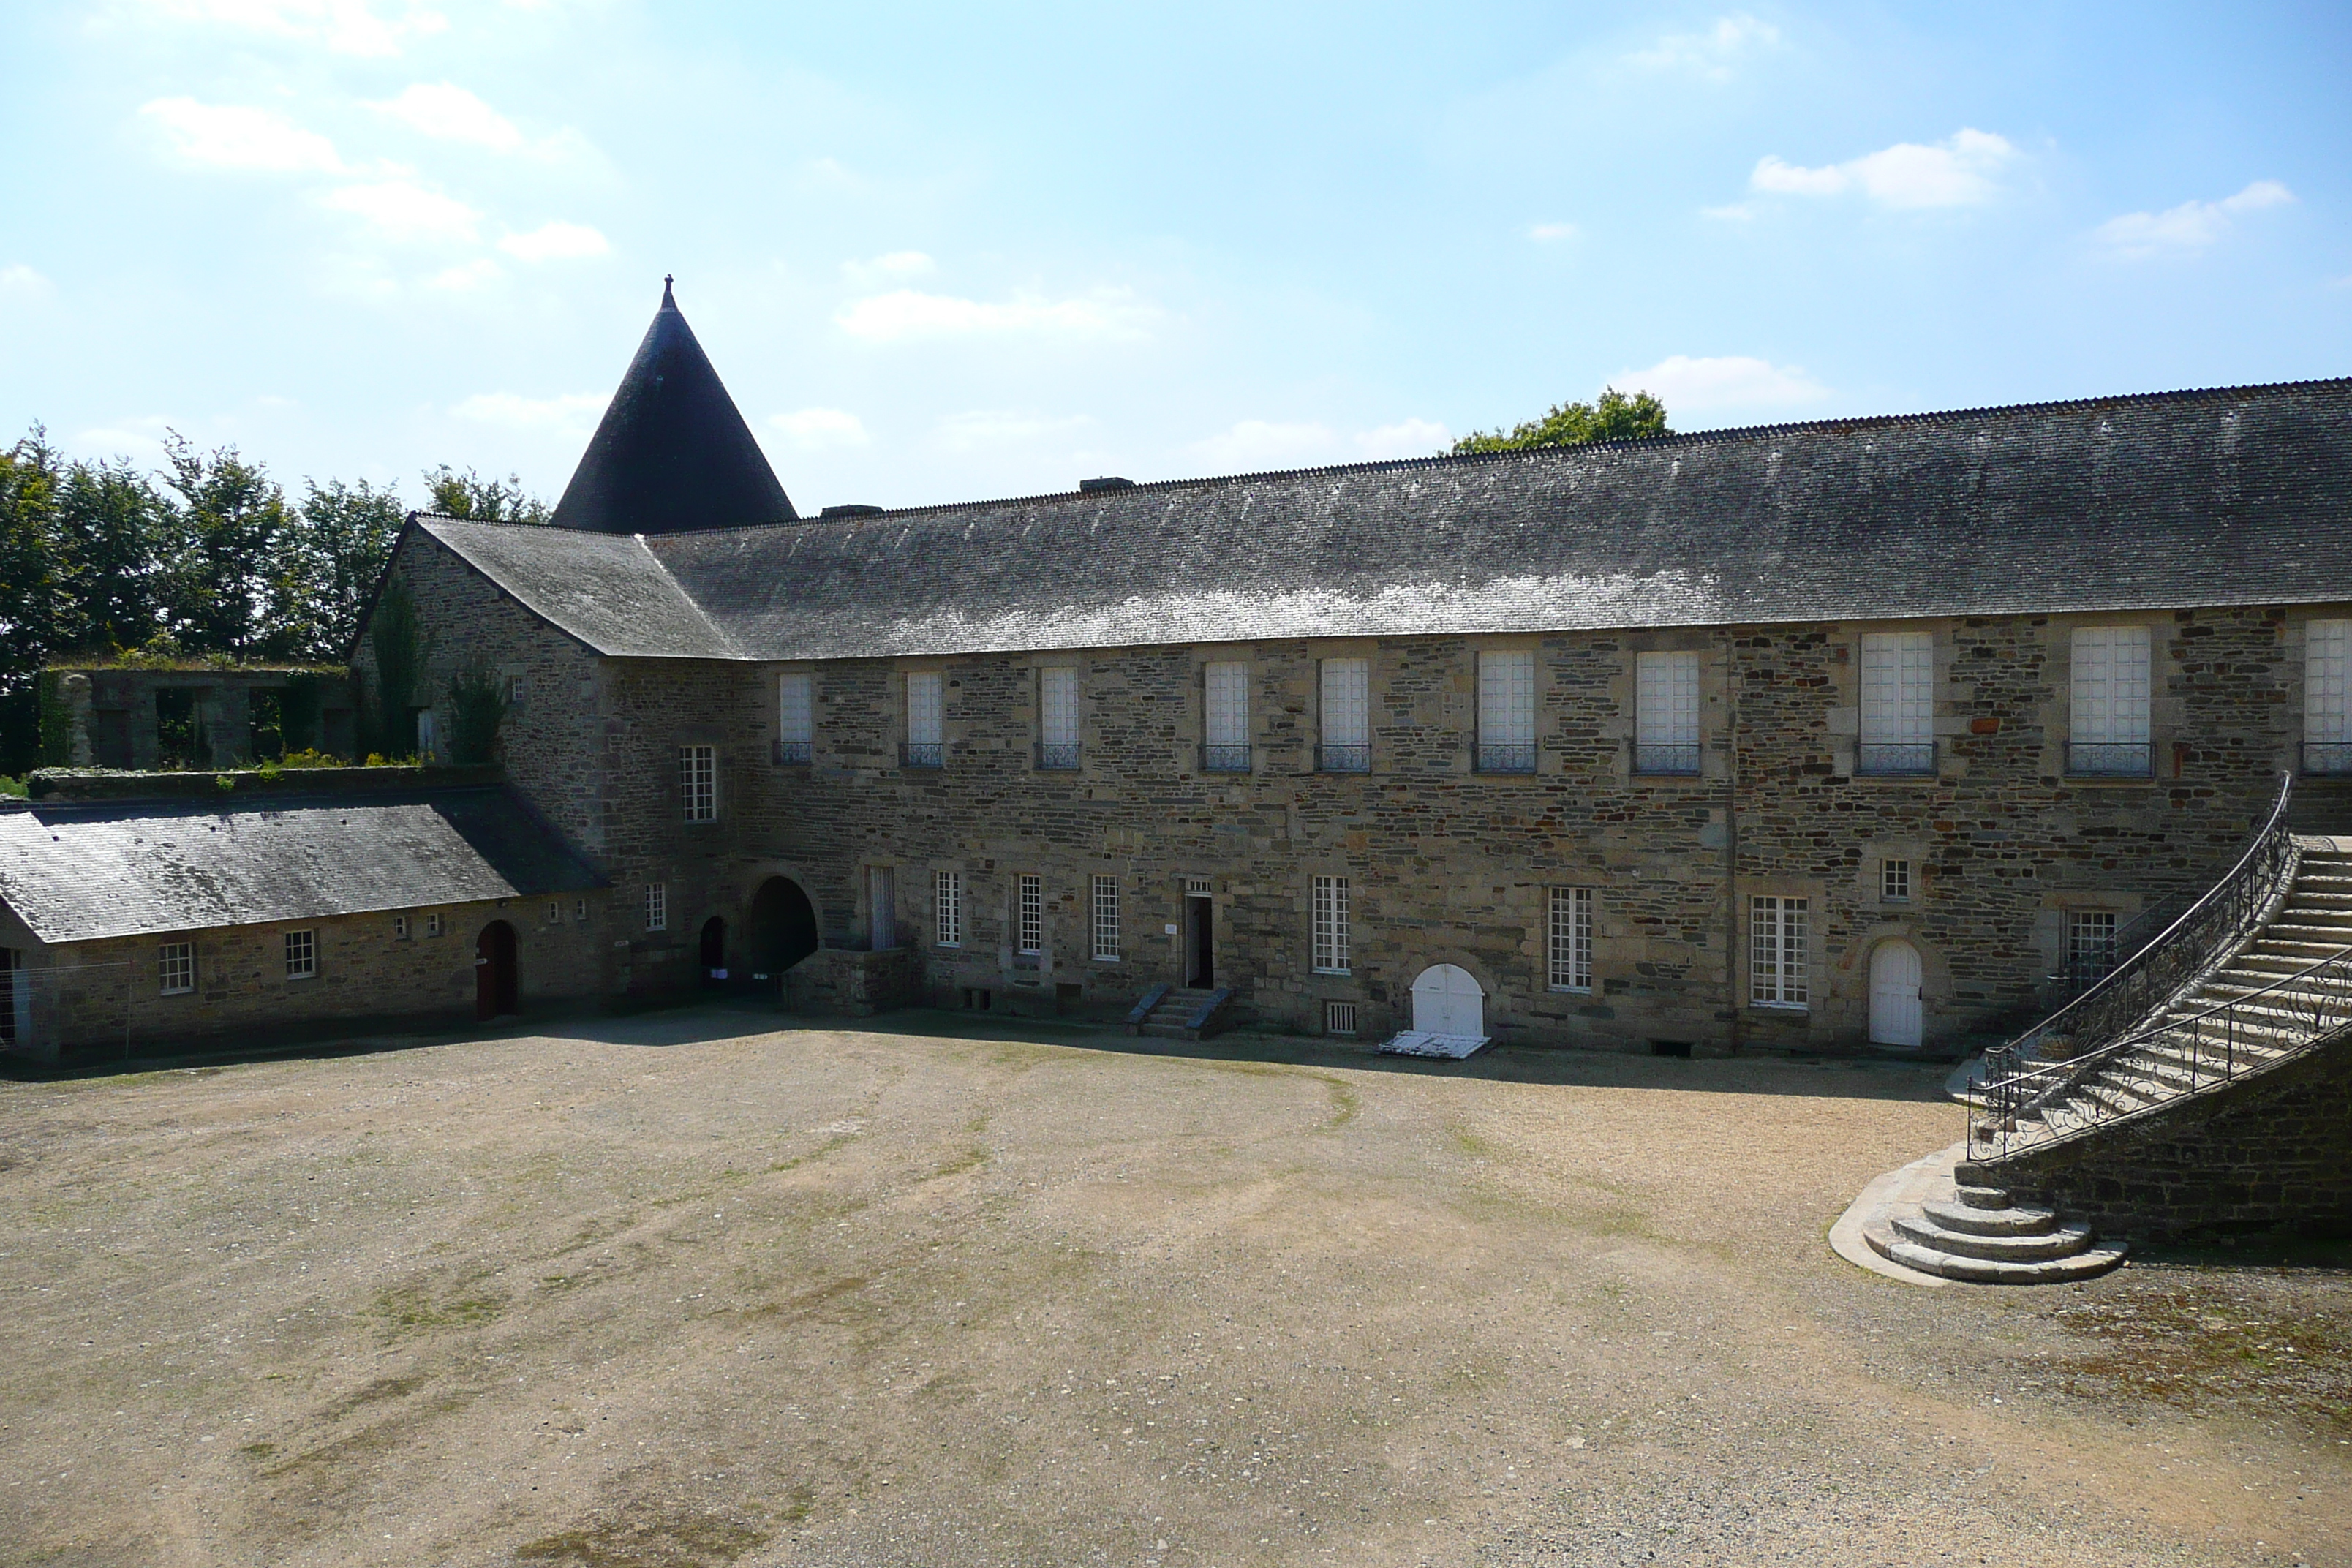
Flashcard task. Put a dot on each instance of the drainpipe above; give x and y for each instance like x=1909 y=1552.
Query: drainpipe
x=1731 y=836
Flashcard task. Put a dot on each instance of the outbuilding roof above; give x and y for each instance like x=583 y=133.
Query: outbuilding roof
x=2234 y=496
x=83 y=872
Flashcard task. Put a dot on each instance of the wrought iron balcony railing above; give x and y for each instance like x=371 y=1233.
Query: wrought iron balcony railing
x=923 y=755
x=1343 y=759
x=1225 y=759
x=2110 y=759
x=1895 y=759
x=786 y=753
x=1665 y=757
x=1058 y=756
x=1506 y=756
x=2327 y=757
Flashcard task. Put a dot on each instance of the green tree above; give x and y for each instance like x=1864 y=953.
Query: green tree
x=230 y=582
x=343 y=536
x=113 y=529
x=32 y=600
x=1613 y=416
x=477 y=499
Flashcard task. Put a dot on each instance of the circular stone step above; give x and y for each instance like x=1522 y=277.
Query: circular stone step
x=1989 y=1222
x=1983 y=1198
x=2062 y=1241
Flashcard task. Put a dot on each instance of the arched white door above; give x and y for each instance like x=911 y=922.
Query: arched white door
x=1894 y=1013
x=1447 y=1001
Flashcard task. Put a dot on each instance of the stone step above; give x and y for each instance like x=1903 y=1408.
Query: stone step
x=2059 y=1241
x=1974 y=1221
x=2263 y=1024
x=1983 y=1197
x=2087 y=1263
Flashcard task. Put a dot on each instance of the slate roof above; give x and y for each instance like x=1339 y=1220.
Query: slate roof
x=672 y=451
x=2234 y=496
x=81 y=871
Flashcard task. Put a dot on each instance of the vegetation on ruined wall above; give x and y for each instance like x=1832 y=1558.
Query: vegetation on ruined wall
x=387 y=704
x=477 y=706
x=209 y=560
x=1613 y=416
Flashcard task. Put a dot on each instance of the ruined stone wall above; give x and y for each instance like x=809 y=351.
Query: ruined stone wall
x=99 y=998
x=2272 y=1151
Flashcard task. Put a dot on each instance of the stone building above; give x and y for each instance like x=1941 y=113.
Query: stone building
x=145 y=915
x=1805 y=736
x=192 y=714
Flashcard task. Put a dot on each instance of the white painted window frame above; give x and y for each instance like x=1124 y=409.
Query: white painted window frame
x=1778 y=952
x=947 y=908
x=1331 y=952
x=1567 y=939
x=697 y=781
x=1105 y=905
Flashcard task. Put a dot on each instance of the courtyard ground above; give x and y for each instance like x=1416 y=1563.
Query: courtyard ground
x=687 y=1289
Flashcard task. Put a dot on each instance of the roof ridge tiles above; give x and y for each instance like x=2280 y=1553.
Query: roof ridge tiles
x=1539 y=453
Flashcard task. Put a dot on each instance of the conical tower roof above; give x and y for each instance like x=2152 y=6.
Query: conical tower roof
x=672 y=453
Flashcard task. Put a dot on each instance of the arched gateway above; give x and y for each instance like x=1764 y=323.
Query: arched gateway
x=781 y=929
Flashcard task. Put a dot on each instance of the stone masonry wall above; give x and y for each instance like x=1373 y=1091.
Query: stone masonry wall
x=2272 y=1151
x=100 y=998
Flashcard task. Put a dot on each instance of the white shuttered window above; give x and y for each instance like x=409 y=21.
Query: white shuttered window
x=1228 y=704
x=1057 y=716
x=926 y=719
x=796 y=710
x=1506 y=712
x=2107 y=701
x=1898 y=702
x=2327 y=697
x=1346 y=707
x=1665 y=713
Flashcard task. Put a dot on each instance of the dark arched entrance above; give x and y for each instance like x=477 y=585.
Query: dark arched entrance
x=714 y=951
x=496 y=988
x=781 y=933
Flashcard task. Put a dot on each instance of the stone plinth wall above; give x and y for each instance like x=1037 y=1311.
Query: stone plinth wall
x=2272 y=1151
x=838 y=982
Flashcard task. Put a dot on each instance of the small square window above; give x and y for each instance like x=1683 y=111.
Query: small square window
x=400 y=928
x=1339 y=1018
x=301 y=955
x=176 y=962
x=1895 y=882
x=431 y=925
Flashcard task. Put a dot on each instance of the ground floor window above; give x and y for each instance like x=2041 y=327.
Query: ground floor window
x=1776 y=952
x=176 y=967
x=2090 y=944
x=946 y=908
x=658 y=906
x=1031 y=914
x=1106 y=911
x=301 y=955
x=1331 y=925
x=1339 y=1018
x=1569 y=939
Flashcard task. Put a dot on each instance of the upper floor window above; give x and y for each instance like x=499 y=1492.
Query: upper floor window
x=795 y=717
x=946 y=908
x=1105 y=920
x=2327 y=697
x=2107 y=703
x=1225 y=733
x=176 y=967
x=1346 y=717
x=1898 y=704
x=1057 y=716
x=1331 y=933
x=1665 y=713
x=1895 y=882
x=1776 y=952
x=697 y=781
x=927 y=737
x=1506 y=712
x=1569 y=940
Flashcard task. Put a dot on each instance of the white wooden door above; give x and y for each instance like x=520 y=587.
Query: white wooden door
x=1447 y=1001
x=1894 y=1011
x=881 y=908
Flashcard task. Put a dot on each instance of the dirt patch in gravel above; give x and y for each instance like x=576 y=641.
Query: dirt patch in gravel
x=689 y=1291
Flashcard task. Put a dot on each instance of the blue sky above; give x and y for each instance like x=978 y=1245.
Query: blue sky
x=941 y=252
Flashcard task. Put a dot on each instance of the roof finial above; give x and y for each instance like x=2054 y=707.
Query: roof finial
x=667 y=303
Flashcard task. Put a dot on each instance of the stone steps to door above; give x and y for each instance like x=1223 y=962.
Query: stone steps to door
x=1977 y=1235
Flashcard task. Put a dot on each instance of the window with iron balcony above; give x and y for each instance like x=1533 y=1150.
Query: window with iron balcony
x=1898 y=706
x=1058 y=717
x=926 y=744
x=1225 y=743
x=2107 y=704
x=1506 y=712
x=1346 y=743
x=1665 y=713
x=2328 y=698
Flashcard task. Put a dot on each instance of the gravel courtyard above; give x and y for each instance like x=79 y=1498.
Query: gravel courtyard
x=678 y=1290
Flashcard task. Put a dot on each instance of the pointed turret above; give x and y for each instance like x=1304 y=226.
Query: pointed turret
x=672 y=453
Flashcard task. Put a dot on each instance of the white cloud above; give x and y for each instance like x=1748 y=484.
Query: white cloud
x=23 y=281
x=1737 y=212
x=402 y=209
x=905 y=313
x=891 y=267
x=449 y=114
x=1732 y=381
x=1959 y=171
x=466 y=276
x=344 y=27
x=556 y=241
x=983 y=428
x=1405 y=438
x=230 y=136
x=1711 y=52
x=2191 y=226
x=813 y=429
x=573 y=411
x=1261 y=444
x=1551 y=231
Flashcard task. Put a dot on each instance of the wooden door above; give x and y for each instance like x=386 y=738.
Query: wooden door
x=1895 y=1016
x=1447 y=1001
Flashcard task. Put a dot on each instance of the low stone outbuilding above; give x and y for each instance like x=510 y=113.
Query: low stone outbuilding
x=127 y=925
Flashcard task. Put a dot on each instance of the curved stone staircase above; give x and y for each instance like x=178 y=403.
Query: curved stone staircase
x=2257 y=973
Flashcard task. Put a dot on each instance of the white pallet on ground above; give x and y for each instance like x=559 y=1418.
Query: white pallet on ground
x=1445 y=1048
